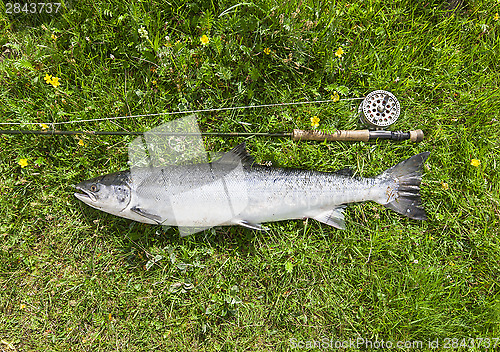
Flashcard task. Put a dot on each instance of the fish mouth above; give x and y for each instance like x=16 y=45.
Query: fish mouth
x=85 y=196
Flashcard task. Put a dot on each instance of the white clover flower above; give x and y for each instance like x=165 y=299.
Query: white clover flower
x=143 y=33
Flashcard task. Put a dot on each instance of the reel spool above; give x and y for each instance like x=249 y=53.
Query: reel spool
x=379 y=109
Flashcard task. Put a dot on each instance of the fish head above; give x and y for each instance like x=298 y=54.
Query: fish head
x=110 y=193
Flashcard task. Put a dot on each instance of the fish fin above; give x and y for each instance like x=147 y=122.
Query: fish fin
x=403 y=191
x=249 y=225
x=147 y=215
x=238 y=154
x=334 y=217
x=344 y=172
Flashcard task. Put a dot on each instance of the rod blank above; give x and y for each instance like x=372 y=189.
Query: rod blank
x=125 y=133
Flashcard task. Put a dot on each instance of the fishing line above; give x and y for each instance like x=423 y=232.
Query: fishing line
x=180 y=112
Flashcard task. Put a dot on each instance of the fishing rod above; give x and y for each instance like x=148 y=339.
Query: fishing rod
x=296 y=134
x=378 y=110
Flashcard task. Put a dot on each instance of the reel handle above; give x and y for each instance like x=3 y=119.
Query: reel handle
x=357 y=135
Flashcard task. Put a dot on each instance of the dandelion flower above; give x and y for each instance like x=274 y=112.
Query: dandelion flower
x=496 y=17
x=48 y=78
x=315 y=121
x=335 y=97
x=55 y=82
x=23 y=163
x=44 y=126
x=444 y=186
x=204 y=39
x=22 y=306
x=154 y=82
x=53 y=36
x=52 y=80
x=81 y=143
x=475 y=162
x=267 y=51
x=339 y=52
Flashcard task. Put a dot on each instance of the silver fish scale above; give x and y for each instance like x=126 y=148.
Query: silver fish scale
x=279 y=194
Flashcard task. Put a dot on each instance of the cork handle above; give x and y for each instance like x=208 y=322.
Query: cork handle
x=417 y=136
x=339 y=135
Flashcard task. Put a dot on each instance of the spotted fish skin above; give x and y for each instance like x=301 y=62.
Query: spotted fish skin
x=236 y=191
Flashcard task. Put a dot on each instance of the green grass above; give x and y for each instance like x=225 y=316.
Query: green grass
x=73 y=278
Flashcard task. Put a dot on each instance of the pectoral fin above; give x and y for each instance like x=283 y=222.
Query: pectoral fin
x=146 y=214
x=334 y=217
x=252 y=226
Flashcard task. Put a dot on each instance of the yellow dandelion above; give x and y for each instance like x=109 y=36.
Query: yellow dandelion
x=53 y=36
x=23 y=163
x=22 y=306
x=110 y=317
x=154 y=82
x=315 y=121
x=475 y=162
x=267 y=51
x=496 y=17
x=55 y=82
x=339 y=52
x=48 y=78
x=44 y=126
x=444 y=186
x=81 y=143
x=335 y=97
x=204 y=39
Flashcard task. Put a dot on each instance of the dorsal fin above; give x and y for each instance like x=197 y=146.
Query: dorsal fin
x=236 y=155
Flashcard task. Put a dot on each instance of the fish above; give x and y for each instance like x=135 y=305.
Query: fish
x=235 y=190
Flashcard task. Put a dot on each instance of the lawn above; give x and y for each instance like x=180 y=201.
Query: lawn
x=74 y=278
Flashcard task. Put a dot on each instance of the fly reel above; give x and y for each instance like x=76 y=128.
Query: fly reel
x=379 y=109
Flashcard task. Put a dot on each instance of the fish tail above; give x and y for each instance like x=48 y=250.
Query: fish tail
x=401 y=187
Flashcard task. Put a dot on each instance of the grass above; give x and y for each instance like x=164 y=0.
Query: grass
x=74 y=278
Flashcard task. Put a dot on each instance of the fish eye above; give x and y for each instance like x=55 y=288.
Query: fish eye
x=93 y=188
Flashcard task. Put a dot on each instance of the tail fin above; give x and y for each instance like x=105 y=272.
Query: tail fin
x=403 y=194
